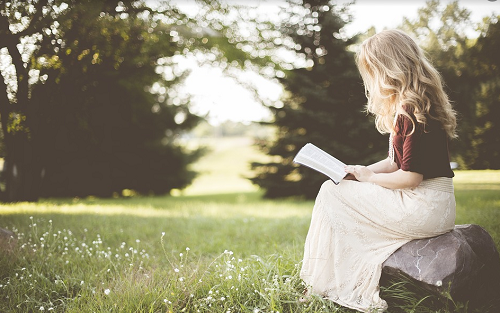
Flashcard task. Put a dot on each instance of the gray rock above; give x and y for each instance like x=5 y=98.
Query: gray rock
x=462 y=265
x=8 y=240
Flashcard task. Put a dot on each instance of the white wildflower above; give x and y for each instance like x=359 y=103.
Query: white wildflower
x=107 y=291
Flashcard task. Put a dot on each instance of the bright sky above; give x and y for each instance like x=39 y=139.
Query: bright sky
x=222 y=99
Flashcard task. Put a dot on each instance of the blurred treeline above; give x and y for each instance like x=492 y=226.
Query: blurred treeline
x=324 y=100
x=90 y=101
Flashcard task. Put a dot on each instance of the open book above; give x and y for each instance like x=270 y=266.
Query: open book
x=317 y=159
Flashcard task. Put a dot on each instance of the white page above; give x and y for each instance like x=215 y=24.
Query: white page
x=319 y=160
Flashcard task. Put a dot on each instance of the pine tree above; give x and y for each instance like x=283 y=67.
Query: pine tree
x=323 y=104
x=486 y=142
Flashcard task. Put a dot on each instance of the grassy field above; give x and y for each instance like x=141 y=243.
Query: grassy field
x=198 y=251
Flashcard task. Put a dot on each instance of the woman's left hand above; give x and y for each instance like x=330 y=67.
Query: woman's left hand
x=362 y=173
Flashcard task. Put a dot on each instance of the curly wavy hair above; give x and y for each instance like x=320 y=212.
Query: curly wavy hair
x=396 y=74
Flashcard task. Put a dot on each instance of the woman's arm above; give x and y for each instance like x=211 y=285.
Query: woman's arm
x=394 y=180
x=397 y=180
x=383 y=166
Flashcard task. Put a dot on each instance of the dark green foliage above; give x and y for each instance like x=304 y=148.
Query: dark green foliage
x=100 y=129
x=92 y=124
x=323 y=104
x=486 y=143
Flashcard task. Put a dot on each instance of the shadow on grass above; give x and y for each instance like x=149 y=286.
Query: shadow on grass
x=160 y=202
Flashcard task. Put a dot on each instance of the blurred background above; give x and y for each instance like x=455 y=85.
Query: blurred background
x=123 y=98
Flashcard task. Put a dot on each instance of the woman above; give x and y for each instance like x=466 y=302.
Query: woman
x=357 y=224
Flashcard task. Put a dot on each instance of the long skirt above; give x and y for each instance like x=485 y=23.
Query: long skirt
x=356 y=226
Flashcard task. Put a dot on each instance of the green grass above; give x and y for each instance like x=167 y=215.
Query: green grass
x=225 y=167
x=198 y=251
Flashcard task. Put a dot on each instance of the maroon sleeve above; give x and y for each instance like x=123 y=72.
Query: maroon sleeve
x=410 y=160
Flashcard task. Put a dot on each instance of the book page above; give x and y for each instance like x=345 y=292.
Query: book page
x=319 y=160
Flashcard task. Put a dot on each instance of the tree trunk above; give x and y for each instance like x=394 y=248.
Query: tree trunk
x=18 y=171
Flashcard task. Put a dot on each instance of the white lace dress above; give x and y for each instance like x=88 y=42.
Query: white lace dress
x=356 y=226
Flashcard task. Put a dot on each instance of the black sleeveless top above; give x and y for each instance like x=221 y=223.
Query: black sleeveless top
x=424 y=151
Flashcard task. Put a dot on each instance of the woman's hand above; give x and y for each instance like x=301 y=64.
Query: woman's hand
x=361 y=173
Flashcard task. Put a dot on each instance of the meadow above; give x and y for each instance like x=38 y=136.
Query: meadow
x=215 y=247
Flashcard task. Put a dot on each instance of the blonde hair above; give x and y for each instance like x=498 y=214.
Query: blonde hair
x=396 y=73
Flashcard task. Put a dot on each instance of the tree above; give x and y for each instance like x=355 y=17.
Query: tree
x=19 y=20
x=323 y=103
x=106 y=111
x=84 y=107
x=486 y=67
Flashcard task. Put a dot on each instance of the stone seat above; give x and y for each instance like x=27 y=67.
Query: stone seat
x=462 y=265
